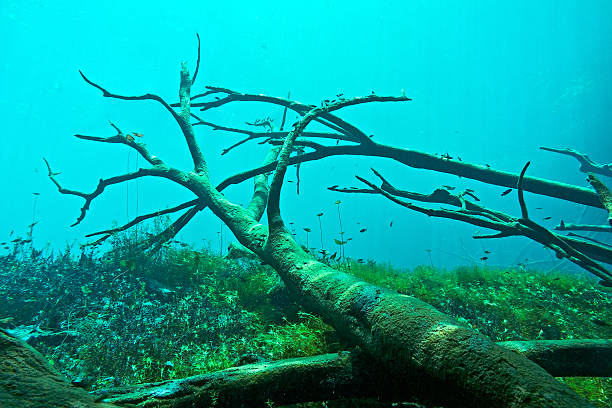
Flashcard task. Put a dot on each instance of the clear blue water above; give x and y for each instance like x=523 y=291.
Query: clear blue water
x=490 y=82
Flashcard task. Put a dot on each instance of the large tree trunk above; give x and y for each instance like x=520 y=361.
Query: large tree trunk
x=447 y=362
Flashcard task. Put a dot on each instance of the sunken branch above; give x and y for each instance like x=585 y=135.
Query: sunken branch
x=506 y=225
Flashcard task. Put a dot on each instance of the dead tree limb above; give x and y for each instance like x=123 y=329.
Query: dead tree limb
x=567 y=358
x=586 y=164
x=411 y=158
x=319 y=378
x=336 y=376
x=506 y=225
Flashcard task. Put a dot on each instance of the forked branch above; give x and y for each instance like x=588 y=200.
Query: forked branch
x=506 y=225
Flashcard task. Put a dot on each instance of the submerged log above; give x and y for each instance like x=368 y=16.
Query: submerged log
x=319 y=378
x=567 y=358
x=338 y=376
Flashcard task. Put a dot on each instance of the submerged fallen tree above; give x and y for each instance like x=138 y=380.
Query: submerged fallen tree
x=325 y=377
x=443 y=361
x=335 y=376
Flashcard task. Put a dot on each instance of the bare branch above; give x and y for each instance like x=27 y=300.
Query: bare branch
x=521 y=198
x=586 y=164
x=144 y=217
x=195 y=74
x=282 y=125
x=182 y=119
x=157 y=171
x=184 y=92
x=509 y=226
x=156 y=242
x=325 y=118
x=126 y=140
x=283 y=160
x=563 y=226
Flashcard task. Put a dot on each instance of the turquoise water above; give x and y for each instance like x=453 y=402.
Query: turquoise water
x=490 y=83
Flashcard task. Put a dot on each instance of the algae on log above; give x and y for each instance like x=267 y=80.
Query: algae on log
x=449 y=363
x=329 y=377
x=568 y=358
x=27 y=380
x=295 y=380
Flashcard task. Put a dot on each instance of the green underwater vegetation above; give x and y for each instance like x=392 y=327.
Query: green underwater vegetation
x=121 y=316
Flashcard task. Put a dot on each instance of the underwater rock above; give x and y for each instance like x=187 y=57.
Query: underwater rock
x=27 y=379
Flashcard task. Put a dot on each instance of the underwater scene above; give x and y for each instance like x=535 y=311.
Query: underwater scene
x=321 y=204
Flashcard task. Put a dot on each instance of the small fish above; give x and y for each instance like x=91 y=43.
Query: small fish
x=137 y=134
x=363 y=230
x=333 y=256
x=323 y=252
x=360 y=260
x=449 y=188
x=291 y=223
x=447 y=156
x=484 y=258
x=305 y=249
x=349 y=239
x=547 y=218
x=36 y=194
x=538 y=208
x=16 y=240
x=319 y=214
x=130 y=138
x=307 y=229
x=337 y=202
x=340 y=95
x=338 y=242
x=487 y=252
x=390 y=224
x=488 y=166
x=471 y=194
x=289 y=181
x=459 y=158
x=506 y=192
